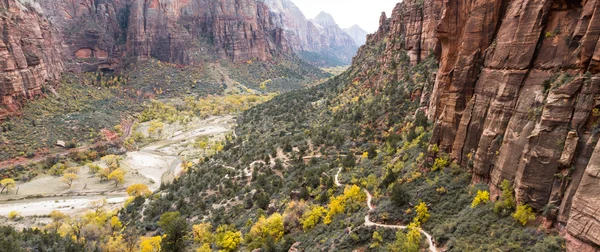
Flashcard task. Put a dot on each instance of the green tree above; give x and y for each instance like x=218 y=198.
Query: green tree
x=175 y=228
x=506 y=203
x=399 y=196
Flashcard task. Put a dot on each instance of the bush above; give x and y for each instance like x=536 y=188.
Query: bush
x=14 y=215
x=483 y=197
x=507 y=199
x=399 y=196
x=523 y=214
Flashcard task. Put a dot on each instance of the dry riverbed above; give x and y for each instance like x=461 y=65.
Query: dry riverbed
x=159 y=161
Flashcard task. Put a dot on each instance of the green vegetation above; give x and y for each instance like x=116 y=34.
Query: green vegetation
x=35 y=240
x=288 y=151
x=274 y=184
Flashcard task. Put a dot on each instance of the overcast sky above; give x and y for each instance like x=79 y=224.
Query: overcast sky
x=346 y=13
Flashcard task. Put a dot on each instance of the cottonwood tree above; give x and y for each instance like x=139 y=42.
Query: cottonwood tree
x=137 y=190
x=118 y=176
x=7 y=184
x=69 y=178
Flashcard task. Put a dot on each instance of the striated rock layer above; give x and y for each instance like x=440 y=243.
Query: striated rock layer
x=42 y=38
x=177 y=31
x=28 y=55
x=516 y=96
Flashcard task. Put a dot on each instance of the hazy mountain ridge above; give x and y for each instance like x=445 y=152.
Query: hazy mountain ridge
x=358 y=34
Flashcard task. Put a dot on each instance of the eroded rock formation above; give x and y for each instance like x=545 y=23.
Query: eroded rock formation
x=41 y=38
x=28 y=55
x=516 y=97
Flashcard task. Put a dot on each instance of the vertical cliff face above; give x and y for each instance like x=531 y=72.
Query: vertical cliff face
x=178 y=31
x=28 y=55
x=516 y=96
x=42 y=38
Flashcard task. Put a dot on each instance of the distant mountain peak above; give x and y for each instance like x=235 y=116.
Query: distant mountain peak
x=358 y=34
x=324 y=19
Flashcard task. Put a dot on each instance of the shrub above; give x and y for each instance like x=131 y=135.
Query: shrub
x=523 y=214
x=422 y=213
x=483 y=197
x=507 y=199
x=14 y=215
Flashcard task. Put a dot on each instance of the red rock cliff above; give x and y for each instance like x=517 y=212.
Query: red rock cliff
x=42 y=38
x=28 y=56
x=517 y=92
x=178 y=31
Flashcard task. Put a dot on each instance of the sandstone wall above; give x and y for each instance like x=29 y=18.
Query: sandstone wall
x=517 y=96
x=28 y=56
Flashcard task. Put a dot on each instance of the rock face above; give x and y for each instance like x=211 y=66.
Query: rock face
x=516 y=97
x=28 y=55
x=319 y=41
x=42 y=38
x=358 y=34
x=177 y=31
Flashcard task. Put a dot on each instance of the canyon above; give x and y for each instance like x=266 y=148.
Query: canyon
x=44 y=38
x=516 y=96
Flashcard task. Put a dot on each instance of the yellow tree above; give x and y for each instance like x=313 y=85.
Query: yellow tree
x=203 y=233
x=265 y=229
x=103 y=174
x=150 y=244
x=7 y=184
x=116 y=244
x=137 y=190
x=118 y=176
x=57 y=218
x=524 y=214
x=228 y=239
x=312 y=217
x=112 y=161
x=422 y=213
x=68 y=179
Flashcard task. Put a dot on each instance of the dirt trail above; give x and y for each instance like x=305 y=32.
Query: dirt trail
x=369 y=223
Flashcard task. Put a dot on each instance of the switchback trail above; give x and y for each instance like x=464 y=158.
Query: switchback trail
x=369 y=223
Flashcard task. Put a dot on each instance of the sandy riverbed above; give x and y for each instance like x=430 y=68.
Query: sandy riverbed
x=159 y=161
